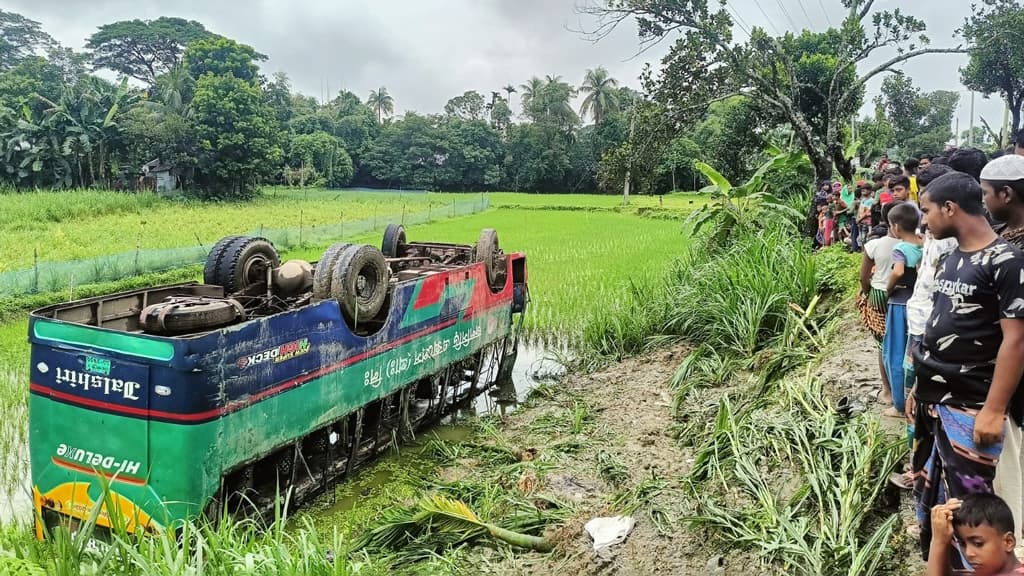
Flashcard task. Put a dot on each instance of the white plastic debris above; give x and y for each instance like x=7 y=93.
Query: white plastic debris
x=609 y=531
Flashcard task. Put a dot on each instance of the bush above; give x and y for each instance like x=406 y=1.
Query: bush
x=739 y=299
x=736 y=301
x=837 y=270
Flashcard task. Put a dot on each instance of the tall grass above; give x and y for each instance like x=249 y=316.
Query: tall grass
x=229 y=547
x=787 y=478
x=777 y=471
x=736 y=300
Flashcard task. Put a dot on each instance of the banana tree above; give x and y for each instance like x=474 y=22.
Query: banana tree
x=748 y=205
x=83 y=120
x=33 y=155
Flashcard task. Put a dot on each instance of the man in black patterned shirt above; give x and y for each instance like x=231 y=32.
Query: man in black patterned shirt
x=972 y=355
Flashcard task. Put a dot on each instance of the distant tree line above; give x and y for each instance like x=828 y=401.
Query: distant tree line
x=199 y=102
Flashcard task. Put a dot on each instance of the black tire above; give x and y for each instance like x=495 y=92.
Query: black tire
x=214 y=258
x=394 y=242
x=489 y=252
x=360 y=283
x=244 y=264
x=324 y=272
x=190 y=315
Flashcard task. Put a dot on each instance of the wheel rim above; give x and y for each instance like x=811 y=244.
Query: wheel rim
x=255 y=269
x=366 y=283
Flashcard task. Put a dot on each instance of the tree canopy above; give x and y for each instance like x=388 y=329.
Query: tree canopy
x=920 y=121
x=468 y=106
x=222 y=57
x=19 y=39
x=381 y=102
x=601 y=96
x=227 y=127
x=810 y=81
x=996 y=36
x=143 y=49
x=237 y=143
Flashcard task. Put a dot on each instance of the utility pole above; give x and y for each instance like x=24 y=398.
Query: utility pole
x=956 y=133
x=970 y=133
x=629 y=162
x=1004 y=137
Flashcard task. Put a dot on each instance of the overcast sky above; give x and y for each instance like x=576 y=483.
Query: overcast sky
x=426 y=51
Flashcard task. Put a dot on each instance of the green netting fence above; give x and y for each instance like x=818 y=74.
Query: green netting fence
x=56 y=276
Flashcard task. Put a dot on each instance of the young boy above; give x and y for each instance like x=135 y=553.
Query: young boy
x=900 y=188
x=972 y=355
x=919 y=306
x=875 y=268
x=906 y=255
x=833 y=227
x=819 y=238
x=983 y=528
x=867 y=199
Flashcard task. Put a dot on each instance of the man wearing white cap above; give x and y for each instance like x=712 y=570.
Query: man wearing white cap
x=1002 y=185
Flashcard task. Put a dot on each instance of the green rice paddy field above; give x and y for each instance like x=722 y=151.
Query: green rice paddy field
x=60 y=226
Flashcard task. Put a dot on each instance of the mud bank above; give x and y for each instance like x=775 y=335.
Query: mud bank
x=632 y=456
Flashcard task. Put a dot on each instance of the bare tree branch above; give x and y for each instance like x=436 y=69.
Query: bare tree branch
x=865 y=9
x=886 y=66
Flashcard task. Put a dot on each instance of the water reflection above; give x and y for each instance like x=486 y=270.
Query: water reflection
x=534 y=365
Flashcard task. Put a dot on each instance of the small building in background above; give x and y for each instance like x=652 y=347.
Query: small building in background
x=160 y=176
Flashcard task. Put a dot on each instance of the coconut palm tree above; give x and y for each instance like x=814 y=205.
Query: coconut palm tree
x=601 y=95
x=531 y=91
x=509 y=89
x=174 y=88
x=557 y=94
x=382 y=102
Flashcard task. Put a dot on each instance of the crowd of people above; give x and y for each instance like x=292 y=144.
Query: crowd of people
x=942 y=290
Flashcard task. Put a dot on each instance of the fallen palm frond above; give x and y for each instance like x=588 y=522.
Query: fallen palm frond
x=437 y=520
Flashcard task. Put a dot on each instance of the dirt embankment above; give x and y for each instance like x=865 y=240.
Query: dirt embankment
x=629 y=450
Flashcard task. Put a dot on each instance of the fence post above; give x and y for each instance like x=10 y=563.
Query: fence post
x=428 y=210
x=403 y=214
x=300 y=228
x=138 y=247
x=35 y=266
x=71 y=288
x=374 y=217
x=453 y=208
x=200 y=243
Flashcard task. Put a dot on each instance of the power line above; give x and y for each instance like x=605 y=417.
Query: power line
x=806 y=15
x=738 y=19
x=788 y=17
x=766 y=17
x=827 y=18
